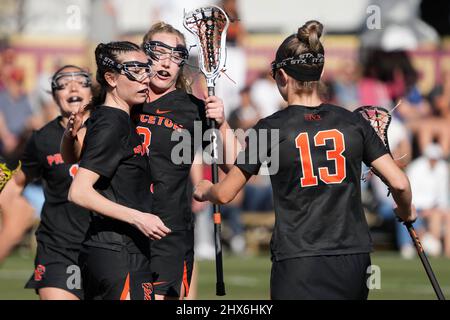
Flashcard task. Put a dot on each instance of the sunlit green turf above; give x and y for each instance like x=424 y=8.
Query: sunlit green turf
x=248 y=277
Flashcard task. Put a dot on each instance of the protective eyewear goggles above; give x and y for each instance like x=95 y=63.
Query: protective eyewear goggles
x=63 y=79
x=158 y=51
x=133 y=70
x=137 y=71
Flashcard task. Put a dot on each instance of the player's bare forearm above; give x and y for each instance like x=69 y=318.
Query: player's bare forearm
x=399 y=186
x=82 y=193
x=231 y=147
x=224 y=191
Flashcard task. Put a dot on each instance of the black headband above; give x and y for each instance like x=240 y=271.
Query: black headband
x=107 y=62
x=299 y=67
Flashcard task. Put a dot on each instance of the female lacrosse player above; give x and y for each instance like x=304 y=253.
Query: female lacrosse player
x=63 y=224
x=113 y=181
x=321 y=243
x=171 y=108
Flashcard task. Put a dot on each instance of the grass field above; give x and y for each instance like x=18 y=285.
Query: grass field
x=248 y=277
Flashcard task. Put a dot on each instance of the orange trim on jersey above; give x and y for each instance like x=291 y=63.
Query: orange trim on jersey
x=185 y=280
x=217 y=218
x=126 y=288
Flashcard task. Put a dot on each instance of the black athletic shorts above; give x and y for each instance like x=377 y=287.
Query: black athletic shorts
x=340 y=277
x=172 y=261
x=112 y=275
x=56 y=267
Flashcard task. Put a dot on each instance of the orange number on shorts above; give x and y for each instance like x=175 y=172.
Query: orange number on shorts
x=336 y=154
x=147 y=135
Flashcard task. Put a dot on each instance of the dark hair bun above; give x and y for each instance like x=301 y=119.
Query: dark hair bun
x=310 y=34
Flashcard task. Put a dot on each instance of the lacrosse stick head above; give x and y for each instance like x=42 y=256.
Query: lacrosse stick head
x=209 y=25
x=379 y=118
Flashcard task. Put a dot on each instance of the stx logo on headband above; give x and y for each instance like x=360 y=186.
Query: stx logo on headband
x=305 y=58
x=110 y=63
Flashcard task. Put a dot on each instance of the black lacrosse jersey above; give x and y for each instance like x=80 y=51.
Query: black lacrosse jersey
x=170 y=161
x=315 y=159
x=114 y=150
x=62 y=223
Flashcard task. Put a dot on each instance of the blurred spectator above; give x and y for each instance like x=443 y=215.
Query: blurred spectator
x=246 y=115
x=429 y=176
x=397 y=72
x=371 y=89
x=440 y=97
x=345 y=85
x=264 y=94
x=7 y=62
x=354 y=87
x=16 y=110
x=438 y=128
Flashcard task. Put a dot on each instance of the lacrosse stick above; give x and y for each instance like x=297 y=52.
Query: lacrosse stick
x=209 y=26
x=379 y=118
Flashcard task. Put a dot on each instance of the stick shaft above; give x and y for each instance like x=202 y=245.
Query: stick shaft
x=424 y=259
x=220 y=285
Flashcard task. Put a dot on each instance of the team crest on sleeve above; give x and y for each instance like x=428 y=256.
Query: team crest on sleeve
x=73 y=170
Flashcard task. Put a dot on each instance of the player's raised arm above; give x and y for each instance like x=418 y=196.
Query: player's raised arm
x=72 y=140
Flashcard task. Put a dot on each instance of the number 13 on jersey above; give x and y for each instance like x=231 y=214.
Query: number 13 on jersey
x=336 y=154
